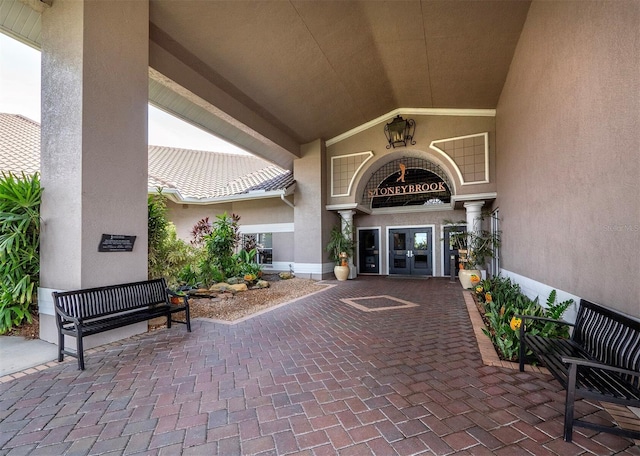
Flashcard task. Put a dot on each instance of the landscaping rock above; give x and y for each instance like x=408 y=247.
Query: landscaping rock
x=262 y=284
x=239 y=287
x=220 y=287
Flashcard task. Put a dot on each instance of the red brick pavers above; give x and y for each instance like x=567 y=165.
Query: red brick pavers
x=317 y=376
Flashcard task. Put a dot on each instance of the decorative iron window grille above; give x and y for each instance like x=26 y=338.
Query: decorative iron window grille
x=416 y=171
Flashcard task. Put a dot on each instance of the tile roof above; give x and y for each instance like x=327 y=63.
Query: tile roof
x=19 y=144
x=199 y=176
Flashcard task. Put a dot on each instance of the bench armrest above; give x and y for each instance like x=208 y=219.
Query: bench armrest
x=551 y=320
x=66 y=317
x=598 y=365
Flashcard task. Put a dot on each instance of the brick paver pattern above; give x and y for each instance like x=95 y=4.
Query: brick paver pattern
x=317 y=376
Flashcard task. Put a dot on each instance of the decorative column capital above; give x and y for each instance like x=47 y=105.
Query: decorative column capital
x=471 y=205
x=474 y=210
x=347 y=214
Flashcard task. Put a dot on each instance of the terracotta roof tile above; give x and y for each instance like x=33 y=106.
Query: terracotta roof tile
x=193 y=173
x=19 y=144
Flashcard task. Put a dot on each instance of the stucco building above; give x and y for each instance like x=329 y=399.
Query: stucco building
x=530 y=110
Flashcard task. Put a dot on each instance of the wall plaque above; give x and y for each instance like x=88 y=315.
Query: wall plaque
x=116 y=243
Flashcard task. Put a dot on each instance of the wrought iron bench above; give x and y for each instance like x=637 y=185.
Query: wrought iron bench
x=600 y=361
x=81 y=313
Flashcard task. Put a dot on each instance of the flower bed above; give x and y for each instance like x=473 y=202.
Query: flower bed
x=499 y=300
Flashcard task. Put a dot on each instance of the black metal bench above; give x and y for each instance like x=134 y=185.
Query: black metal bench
x=600 y=361
x=81 y=313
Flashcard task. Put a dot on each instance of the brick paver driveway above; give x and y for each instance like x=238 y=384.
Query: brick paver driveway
x=319 y=376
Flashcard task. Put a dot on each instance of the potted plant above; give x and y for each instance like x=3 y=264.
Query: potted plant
x=475 y=249
x=340 y=248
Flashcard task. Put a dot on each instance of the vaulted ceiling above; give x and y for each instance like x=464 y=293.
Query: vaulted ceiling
x=281 y=73
x=315 y=69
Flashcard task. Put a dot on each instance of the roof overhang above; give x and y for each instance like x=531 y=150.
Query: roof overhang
x=175 y=196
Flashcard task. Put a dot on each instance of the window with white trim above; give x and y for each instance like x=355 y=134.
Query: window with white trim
x=263 y=244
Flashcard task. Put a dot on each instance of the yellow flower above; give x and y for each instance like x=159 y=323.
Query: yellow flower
x=479 y=289
x=249 y=277
x=474 y=279
x=487 y=297
x=515 y=323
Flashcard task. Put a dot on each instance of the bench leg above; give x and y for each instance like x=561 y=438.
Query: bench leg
x=523 y=349
x=60 y=346
x=169 y=319
x=569 y=406
x=80 y=349
x=187 y=315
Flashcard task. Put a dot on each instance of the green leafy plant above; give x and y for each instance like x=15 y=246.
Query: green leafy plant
x=20 y=199
x=168 y=255
x=339 y=242
x=475 y=247
x=219 y=261
x=502 y=300
x=247 y=264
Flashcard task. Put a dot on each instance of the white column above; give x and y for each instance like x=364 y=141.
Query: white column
x=474 y=215
x=474 y=221
x=347 y=229
x=95 y=78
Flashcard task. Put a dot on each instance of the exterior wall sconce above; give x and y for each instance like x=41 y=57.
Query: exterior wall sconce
x=399 y=132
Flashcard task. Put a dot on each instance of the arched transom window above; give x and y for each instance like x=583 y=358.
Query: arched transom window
x=407 y=181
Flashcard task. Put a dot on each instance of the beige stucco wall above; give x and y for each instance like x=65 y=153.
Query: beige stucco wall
x=257 y=212
x=428 y=128
x=268 y=215
x=568 y=151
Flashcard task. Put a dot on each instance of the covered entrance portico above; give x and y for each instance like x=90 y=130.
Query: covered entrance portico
x=409 y=203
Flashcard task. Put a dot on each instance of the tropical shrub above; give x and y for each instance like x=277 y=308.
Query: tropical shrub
x=200 y=231
x=502 y=300
x=219 y=261
x=247 y=265
x=168 y=255
x=20 y=199
x=214 y=259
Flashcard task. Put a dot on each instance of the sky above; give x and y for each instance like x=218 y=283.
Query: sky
x=20 y=94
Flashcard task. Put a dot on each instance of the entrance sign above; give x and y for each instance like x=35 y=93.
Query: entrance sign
x=412 y=189
x=116 y=243
x=407 y=181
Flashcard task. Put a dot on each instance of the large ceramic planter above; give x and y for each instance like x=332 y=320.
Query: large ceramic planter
x=341 y=272
x=465 y=277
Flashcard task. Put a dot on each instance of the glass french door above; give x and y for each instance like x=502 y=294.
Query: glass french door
x=410 y=251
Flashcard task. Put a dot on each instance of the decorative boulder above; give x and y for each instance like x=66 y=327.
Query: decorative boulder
x=239 y=287
x=220 y=287
x=234 y=280
x=285 y=275
x=262 y=284
x=197 y=291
